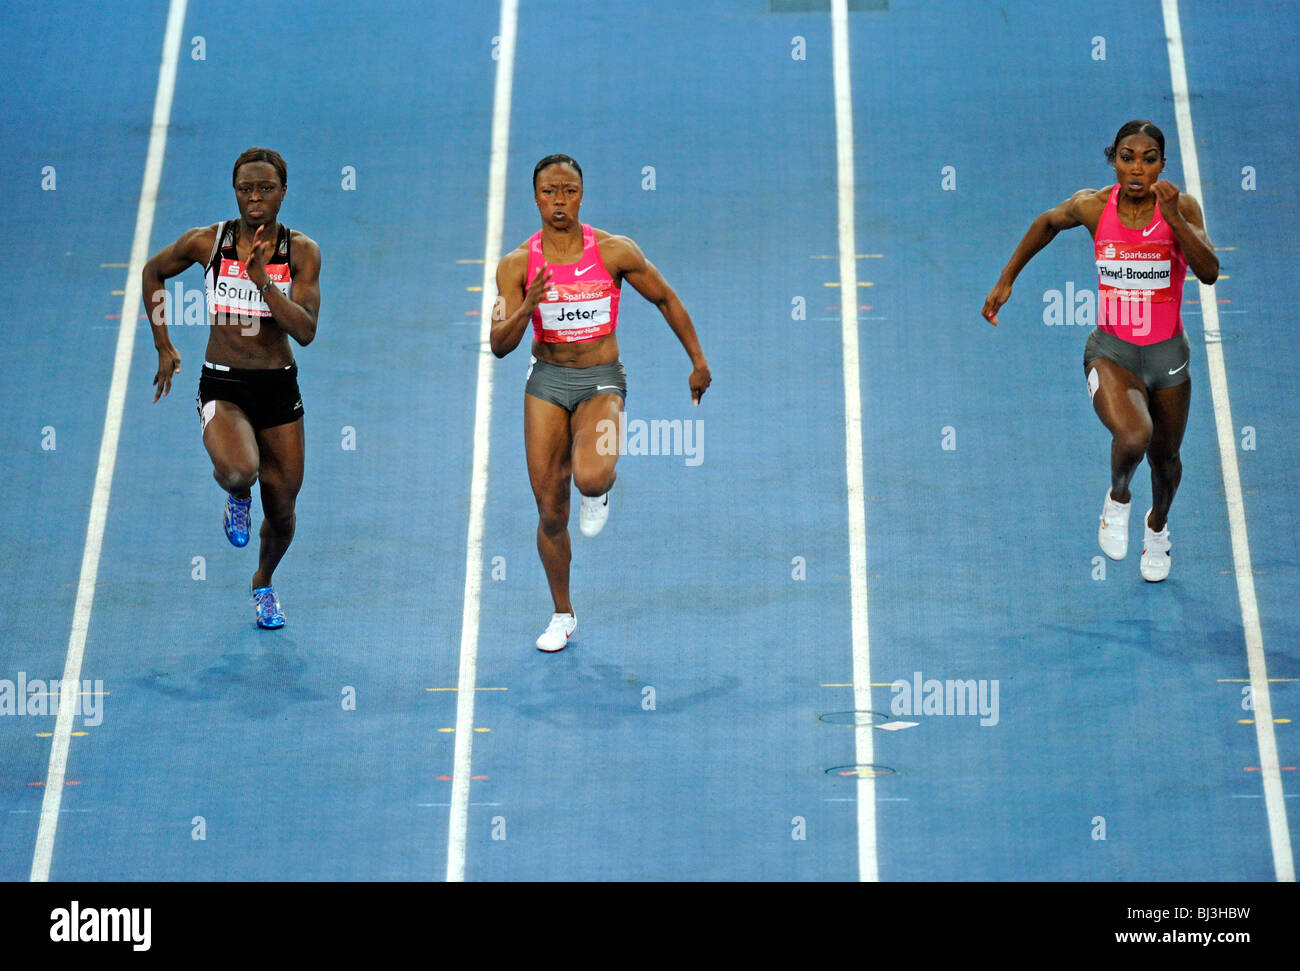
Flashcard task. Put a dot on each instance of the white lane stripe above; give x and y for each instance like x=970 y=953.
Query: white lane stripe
x=866 y=787
x=457 y=827
x=1270 y=771
x=55 y=775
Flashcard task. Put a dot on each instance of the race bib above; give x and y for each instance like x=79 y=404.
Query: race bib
x=1145 y=269
x=234 y=294
x=575 y=320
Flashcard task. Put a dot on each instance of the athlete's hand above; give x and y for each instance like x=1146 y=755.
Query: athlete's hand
x=1167 y=199
x=256 y=265
x=169 y=364
x=700 y=381
x=998 y=296
x=537 y=290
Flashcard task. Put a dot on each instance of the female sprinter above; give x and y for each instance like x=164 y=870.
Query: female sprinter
x=262 y=289
x=566 y=279
x=1145 y=236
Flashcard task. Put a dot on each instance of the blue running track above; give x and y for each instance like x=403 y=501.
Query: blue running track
x=699 y=726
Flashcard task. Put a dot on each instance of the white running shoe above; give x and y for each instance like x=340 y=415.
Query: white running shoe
x=1112 y=534
x=557 y=633
x=1155 y=553
x=592 y=515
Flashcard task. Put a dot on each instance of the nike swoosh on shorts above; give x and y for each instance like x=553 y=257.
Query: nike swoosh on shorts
x=1179 y=368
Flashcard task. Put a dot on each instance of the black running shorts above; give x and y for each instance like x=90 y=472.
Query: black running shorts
x=269 y=396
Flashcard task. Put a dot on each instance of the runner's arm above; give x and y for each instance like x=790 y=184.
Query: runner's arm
x=297 y=314
x=1041 y=232
x=513 y=307
x=193 y=247
x=650 y=283
x=1189 y=229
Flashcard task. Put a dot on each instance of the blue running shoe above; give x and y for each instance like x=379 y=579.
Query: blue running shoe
x=238 y=520
x=269 y=614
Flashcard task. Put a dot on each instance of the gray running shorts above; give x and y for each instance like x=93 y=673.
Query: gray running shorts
x=569 y=387
x=1160 y=365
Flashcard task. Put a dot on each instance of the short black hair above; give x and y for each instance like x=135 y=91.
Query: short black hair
x=1137 y=126
x=555 y=160
x=261 y=155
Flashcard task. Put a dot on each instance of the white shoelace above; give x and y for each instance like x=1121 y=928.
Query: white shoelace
x=1156 y=542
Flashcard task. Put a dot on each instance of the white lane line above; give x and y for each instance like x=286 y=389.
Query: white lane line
x=867 y=868
x=54 y=776
x=457 y=827
x=1270 y=771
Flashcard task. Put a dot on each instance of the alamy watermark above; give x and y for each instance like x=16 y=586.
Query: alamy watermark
x=1130 y=310
x=951 y=697
x=658 y=436
x=189 y=306
x=100 y=924
x=39 y=697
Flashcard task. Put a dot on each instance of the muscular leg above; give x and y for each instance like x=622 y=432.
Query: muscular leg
x=232 y=445
x=1121 y=403
x=1169 y=407
x=283 y=450
x=593 y=467
x=233 y=449
x=547 y=445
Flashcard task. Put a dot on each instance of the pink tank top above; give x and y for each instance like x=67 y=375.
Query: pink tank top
x=1140 y=276
x=582 y=302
